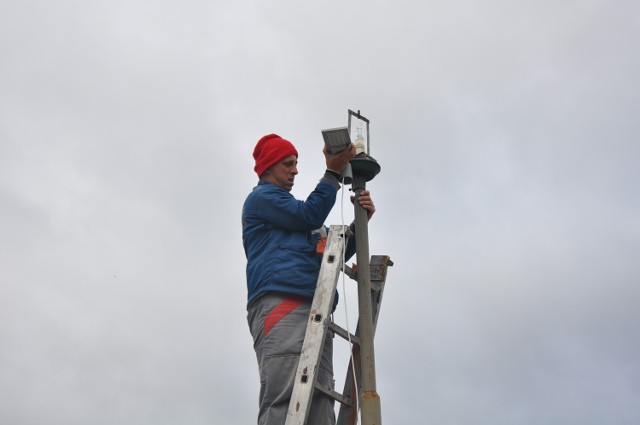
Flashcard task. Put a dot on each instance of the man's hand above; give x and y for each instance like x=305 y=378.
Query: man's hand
x=339 y=161
x=365 y=201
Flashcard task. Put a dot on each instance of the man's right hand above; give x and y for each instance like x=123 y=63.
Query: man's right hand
x=339 y=161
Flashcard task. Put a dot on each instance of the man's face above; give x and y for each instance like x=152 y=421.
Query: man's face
x=282 y=173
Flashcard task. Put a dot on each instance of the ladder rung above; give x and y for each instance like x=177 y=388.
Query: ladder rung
x=342 y=399
x=351 y=273
x=344 y=334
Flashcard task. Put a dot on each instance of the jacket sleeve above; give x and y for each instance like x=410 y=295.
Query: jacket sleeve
x=351 y=244
x=279 y=208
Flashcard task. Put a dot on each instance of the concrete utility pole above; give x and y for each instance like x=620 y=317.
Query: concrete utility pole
x=365 y=168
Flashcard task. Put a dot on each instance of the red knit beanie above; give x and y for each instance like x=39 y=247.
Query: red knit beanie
x=271 y=149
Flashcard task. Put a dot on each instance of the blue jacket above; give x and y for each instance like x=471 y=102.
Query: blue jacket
x=280 y=235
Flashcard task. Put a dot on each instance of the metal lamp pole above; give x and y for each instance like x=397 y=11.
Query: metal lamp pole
x=365 y=168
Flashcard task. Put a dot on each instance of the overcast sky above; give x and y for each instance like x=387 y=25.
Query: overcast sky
x=509 y=140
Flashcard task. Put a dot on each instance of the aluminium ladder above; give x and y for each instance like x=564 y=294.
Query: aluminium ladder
x=316 y=332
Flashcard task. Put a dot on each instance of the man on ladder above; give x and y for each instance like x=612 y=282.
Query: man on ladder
x=283 y=239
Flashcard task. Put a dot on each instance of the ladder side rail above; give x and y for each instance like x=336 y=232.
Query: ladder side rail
x=319 y=317
x=378 y=266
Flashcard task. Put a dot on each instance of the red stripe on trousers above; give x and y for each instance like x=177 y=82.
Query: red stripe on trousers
x=281 y=311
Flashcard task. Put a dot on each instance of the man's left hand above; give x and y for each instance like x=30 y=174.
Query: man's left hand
x=365 y=201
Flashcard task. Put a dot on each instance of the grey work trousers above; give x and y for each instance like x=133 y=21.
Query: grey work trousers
x=278 y=352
